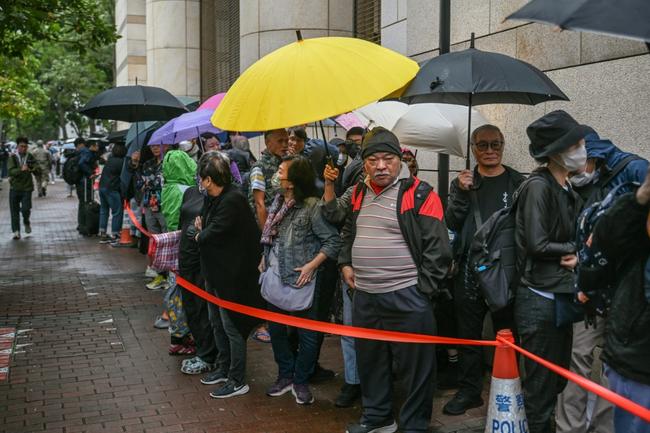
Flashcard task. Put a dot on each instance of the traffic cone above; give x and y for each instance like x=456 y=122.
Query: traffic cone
x=506 y=412
x=126 y=240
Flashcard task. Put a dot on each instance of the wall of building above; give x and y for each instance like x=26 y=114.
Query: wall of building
x=605 y=77
x=173 y=46
x=131 y=48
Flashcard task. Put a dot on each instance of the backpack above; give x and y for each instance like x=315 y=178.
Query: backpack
x=595 y=273
x=493 y=254
x=71 y=171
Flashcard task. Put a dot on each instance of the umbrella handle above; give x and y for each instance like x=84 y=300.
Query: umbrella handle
x=328 y=158
x=469 y=131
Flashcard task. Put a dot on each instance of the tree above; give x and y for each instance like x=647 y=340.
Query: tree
x=80 y=25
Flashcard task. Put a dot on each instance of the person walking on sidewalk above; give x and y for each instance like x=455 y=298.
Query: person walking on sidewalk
x=545 y=233
x=228 y=240
x=110 y=197
x=44 y=160
x=395 y=255
x=87 y=166
x=475 y=195
x=21 y=167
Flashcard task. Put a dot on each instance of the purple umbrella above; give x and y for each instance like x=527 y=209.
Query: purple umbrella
x=185 y=127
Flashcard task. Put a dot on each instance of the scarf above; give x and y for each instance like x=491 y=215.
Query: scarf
x=277 y=212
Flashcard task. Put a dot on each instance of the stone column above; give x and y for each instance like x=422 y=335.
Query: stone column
x=173 y=46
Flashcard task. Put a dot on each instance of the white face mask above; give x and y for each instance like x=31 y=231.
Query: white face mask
x=185 y=145
x=582 y=179
x=572 y=160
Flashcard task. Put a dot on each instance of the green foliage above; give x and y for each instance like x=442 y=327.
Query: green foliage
x=54 y=55
x=81 y=25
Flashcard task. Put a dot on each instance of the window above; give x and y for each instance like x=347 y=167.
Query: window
x=367 y=20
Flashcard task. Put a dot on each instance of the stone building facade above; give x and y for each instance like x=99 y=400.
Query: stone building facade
x=198 y=48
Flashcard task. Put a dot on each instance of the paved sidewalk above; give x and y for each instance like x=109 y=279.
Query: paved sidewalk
x=86 y=358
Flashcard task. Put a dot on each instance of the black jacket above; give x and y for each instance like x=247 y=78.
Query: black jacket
x=459 y=215
x=189 y=260
x=424 y=232
x=621 y=233
x=111 y=172
x=230 y=252
x=545 y=231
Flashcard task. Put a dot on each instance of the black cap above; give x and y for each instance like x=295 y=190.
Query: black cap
x=380 y=140
x=554 y=133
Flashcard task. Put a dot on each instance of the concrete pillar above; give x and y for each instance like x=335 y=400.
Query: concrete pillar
x=130 y=49
x=173 y=46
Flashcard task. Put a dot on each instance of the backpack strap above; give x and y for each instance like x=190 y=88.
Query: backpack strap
x=475 y=209
x=618 y=168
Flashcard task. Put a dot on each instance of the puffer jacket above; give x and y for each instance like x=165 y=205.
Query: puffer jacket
x=621 y=233
x=545 y=231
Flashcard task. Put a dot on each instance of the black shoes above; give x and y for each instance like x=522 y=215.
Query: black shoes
x=349 y=394
x=321 y=375
x=461 y=403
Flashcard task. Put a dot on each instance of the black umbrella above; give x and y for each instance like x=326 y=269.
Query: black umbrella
x=474 y=77
x=625 y=18
x=133 y=104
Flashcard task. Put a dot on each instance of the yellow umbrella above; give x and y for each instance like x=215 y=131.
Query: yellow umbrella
x=310 y=80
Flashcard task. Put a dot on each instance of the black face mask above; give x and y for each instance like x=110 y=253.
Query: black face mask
x=352 y=148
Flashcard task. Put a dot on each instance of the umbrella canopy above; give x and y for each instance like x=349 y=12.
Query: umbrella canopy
x=434 y=127
x=624 y=18
x=133 y=104
x=184 y=127
x=310 y=80
x=139 y=134
x=212 y=102
x=474 y=77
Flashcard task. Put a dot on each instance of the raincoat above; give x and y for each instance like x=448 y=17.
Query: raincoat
x=179 y=173
x=605 y=150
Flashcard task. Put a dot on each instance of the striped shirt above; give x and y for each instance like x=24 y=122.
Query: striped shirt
x=381 y=258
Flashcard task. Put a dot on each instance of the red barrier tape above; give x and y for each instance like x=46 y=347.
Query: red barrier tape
x=587 y=384
x=402 y=337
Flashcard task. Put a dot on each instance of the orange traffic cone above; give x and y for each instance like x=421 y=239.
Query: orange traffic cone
x=506 y=412
x=126 y=240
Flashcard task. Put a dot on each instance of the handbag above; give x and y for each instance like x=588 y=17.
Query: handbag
x=163 y=250
x=285 y=296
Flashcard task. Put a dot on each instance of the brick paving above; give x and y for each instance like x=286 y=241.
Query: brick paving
x=85 y=357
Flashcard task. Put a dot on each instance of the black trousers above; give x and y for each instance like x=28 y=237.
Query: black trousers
x=196 y=310
x=20 y=202
x=405 y=310
x=535 y=320
x=471 y=310
x=85 y=195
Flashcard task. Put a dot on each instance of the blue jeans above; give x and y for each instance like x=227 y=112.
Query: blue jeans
x=347 y=343
x=110 y=200
x=296 y=367
x=638 y=392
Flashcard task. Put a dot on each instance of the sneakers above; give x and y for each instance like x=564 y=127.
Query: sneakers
x=280 y=387
x=302 y=393
x=230 y=389
x=349 y=394
x=150 y=273
x=181 y=349
x=16 y=236
x=214 y=378
x=389 y=427
x=461 y=403
x=161 y=323
x=104 y=238
x=158 y=283
x=28 y=228
x=196 y=366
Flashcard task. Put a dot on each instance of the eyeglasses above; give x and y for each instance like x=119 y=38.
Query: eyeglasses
x=482 y=146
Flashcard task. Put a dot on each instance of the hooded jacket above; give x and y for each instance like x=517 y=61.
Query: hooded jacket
x=179 y=173
x=621 y=233
x=611 y=155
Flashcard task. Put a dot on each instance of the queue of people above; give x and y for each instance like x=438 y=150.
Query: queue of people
x=307 y=231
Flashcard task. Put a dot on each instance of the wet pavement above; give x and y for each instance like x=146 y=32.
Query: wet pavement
x=76 y=330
